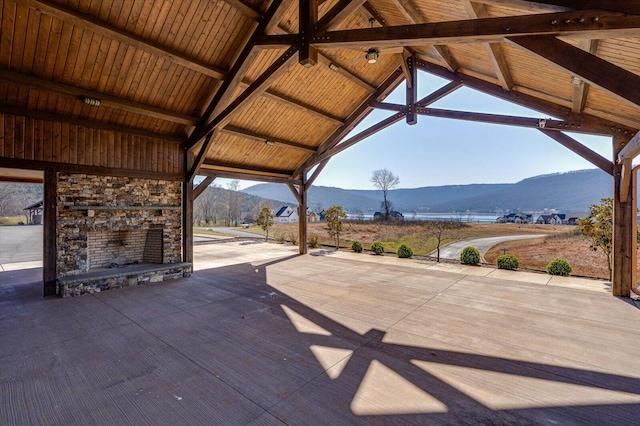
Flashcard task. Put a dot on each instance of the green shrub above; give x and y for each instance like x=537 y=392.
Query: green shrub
x=507 y=261
x=377 y=247
x=470 y=256
x=313 y=241
x=559 y=267
x=404 y=251
x=356 y=246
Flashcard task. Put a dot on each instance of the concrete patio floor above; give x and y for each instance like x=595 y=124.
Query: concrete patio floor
x=263 y=337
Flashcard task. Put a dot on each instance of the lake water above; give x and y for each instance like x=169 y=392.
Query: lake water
x=462 y=217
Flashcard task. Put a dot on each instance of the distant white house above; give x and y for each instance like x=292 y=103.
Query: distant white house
x=287 y=214
x=551 y=219
x=516 y=218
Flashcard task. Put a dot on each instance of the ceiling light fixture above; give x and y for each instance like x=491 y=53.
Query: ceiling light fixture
x=270 y=143
x=575 y=80
x=333 y=67
x=91 y=101
x=372 y=56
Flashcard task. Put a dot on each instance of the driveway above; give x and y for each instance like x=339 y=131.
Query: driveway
x=453 y=250
x=20 y=243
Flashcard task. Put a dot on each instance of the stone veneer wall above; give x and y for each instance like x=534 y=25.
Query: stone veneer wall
x=113 y=192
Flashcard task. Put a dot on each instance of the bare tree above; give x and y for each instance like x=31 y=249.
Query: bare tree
x=443 y=230
x=233 y=202
x=384 y=180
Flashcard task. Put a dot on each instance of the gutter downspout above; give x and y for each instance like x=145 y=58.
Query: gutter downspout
x=634 y=189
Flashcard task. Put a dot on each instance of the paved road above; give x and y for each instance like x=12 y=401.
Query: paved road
x=20 y=243
x=453 y=250
x=230 y=231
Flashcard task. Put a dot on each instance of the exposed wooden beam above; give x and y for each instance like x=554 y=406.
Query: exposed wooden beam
x=98 y=27
x=191 y=167
x=338 y=13
x=621 y=83
x=327 y=154
x=625 y=179
x=88 y=123
x=236 y=168
x=440 y=93
x=584 y=152
x=373 y=13
x=294 y=190
x=587 y=24
x=580 y=88
x=248 y=53
x=316 y=173
x=508 y=120
x=586 y=122
x=621 y=6
x=412 y=92
x=414 y=16
x=631 y=150
x=243 y=175
x=202 y=186
x=105 y=100
x=494 y=51
x=244 y=8
x=261 y=138
x=286 y=100
x=253 y=91
x=278 y=15
x=307 y=18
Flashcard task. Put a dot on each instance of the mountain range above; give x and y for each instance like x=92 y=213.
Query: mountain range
x=566 y=192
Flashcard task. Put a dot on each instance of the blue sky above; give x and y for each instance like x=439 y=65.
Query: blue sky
x=438 y=152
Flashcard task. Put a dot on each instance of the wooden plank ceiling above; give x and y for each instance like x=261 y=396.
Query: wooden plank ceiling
x=224 y=75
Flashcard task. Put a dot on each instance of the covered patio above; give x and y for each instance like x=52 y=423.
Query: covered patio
x=274 y=338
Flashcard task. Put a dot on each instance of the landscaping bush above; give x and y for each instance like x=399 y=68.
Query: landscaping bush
x=313 y=241
x=377 y=247
x=356 y=246
x=559 y=267
x=507 y=261
x=279 y=237
x=404 y=251
x=293 y=237
x=470 y=256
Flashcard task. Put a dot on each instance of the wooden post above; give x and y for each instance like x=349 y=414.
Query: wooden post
x=624 y=232
x=634 y=226
x=187 y=221
x=302 y=225
x=50 y=246
x=412 y=91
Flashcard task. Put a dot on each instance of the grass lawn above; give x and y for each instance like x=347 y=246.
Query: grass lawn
x=13 y=220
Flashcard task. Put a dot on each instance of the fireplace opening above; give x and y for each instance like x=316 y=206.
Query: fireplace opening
x=118 y=249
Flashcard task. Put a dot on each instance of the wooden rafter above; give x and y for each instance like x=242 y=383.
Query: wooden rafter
x=88 y=123
x=596 y=125
x=584 y=152
x=244 y=8
x=236 y=168
x=243 y=175
x=381 y=125
x=338 y=13
x=621 y=83
x=307 y=18
x=580 y=88
x=630 y=150
x=590 y=24
x=105 y=100
x=316 y=173
x=261 y=138
x=494 y=51
x=414 y=16
x=225 y=91
x=440 y=93
x=98 y=27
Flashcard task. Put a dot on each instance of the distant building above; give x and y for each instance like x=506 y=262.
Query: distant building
x=287 y=214
x=551 y=219
x=34 y=217
x=392 y=214
x=519 y=218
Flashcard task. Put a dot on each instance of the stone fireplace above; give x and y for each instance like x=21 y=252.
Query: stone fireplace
x=117 y=231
